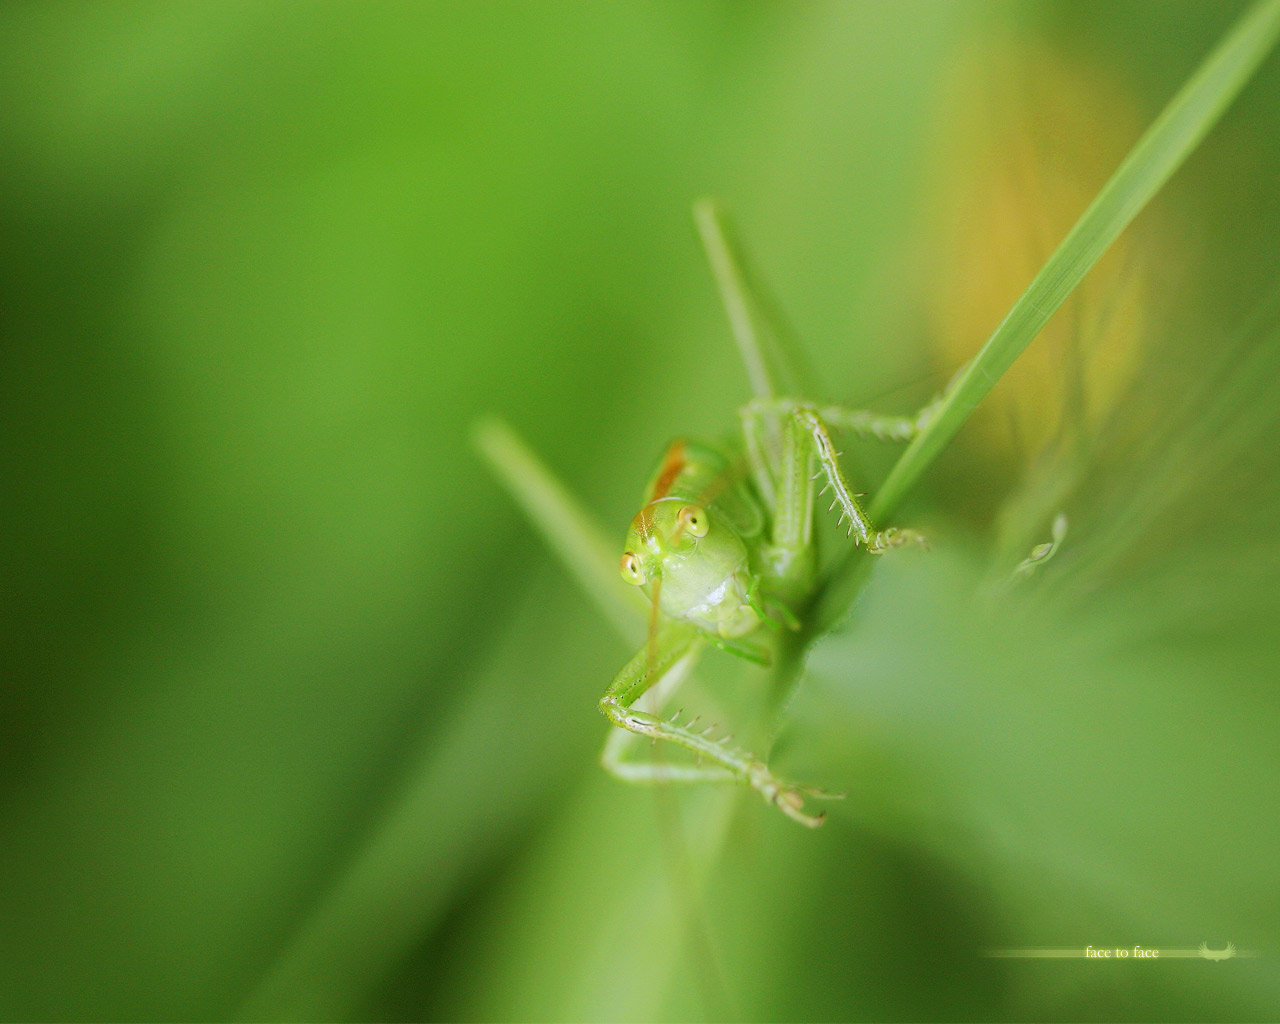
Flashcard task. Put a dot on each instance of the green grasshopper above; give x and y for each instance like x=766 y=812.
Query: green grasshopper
x=724 y=544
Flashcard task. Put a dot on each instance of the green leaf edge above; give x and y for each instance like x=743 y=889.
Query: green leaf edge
x=1172 y=137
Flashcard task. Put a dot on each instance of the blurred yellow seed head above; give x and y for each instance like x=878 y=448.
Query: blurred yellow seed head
x=1026 y=140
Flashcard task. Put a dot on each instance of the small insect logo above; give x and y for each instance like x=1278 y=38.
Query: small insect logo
x=1217 y=954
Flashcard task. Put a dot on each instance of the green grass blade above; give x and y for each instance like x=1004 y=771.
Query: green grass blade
x=1160 y=151
x=566 y=527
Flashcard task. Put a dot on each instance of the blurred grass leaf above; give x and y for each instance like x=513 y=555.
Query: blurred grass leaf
x=1160 y=151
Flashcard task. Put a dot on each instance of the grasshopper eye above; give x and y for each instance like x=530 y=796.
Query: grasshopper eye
x=632 y=569
x=694 y=521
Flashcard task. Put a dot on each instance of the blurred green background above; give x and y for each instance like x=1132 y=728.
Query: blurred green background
x=298 y=715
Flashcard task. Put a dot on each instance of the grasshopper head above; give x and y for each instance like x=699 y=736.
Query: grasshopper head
x=699 y=559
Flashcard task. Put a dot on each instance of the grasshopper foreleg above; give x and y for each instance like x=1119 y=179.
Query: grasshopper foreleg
x=805 y=437
x=874 y=426
x=675 y=643
x=876 y=541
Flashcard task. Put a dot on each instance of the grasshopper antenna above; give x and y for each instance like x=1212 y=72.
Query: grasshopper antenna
x=654 y=611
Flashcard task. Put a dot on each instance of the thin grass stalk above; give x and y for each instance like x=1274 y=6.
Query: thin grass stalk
x=1172 y=137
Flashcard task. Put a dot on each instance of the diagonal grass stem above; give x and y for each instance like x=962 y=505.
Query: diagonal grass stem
x=1158 y=153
